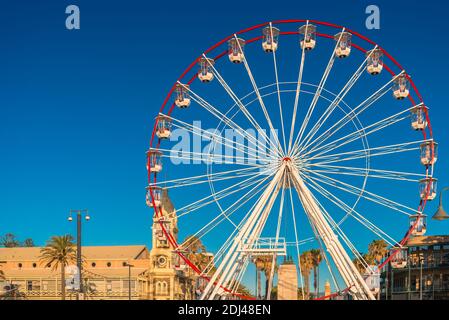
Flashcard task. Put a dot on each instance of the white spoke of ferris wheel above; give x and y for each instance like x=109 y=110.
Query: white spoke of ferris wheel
x=347 y=118
x=180 y=156
x=362 y=153
x=230 y=239
x=298 y=90
x=200 y=179
x=224 y=214
x=365 y=194
x=235 y=282
x=334 y=104
x=320 y=242
x=278 y=89
x=242 y=107
x=226 y=120
x=278 y=231
x=214 y=137
x=256 y=90
x=210 y=158
x=217 y=139
x=298 y=253
x=317 y=95
x=222 y=194
x=364 y=172
x=364 y=132
x=352 y=212
x=340 y=232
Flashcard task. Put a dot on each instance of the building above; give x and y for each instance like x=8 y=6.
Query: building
x=154 y=274
x=105 y=271
x=287 y=281
x=425 y=275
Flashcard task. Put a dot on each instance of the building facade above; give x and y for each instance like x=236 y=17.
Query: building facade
x=154 y=274
x=425 y=275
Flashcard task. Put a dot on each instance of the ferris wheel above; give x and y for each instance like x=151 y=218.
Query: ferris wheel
x=291 y=135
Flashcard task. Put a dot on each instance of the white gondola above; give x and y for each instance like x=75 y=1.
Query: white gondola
x=157 y=194
x=421 y=224
x=270 y=39
x=308 y=36
x=428 y=189
x=182 y=96
x=399 y=258
x=401 y=87
x=205 y=73
x=429 y=153
x=235 y=50
x=418 y=116
x=374 y=63
x=163 y=128
x=372 y=279
x=154 y=161
x=343 y=44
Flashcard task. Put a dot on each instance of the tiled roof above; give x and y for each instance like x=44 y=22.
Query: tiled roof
x=428 y=240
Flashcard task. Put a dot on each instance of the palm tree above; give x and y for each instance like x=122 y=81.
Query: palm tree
x=317 y=258
x=378 y=249
x=196 y=252
x=60 y=251
x=267 y=263
x=306 y=267
x=260 y=263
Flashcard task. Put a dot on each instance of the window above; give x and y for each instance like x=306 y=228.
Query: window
x=109 y=264
x=93 y=264
x=34 y=265
x=124 y=264
x=19 y=265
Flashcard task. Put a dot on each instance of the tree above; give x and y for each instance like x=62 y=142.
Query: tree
x=196 y=252
x=317 y=258
x=263 y=264
x=28 y=243
x=306 y=267
x=378 y=249
x=59 y=252
x=2 y=274
x=9 y=241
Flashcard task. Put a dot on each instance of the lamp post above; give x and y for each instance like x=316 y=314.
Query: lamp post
x=79 y=214
x=129 y=279
x=441 y=215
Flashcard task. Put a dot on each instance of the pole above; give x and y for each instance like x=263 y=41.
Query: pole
x=78 y=250
x=420 y=277
x=129 y=283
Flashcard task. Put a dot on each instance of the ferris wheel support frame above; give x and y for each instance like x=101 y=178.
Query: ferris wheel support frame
x=254 y=222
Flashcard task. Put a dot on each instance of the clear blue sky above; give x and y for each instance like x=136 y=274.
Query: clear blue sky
x=77 y=107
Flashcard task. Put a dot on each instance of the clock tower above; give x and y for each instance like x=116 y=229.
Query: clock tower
x=168 y=277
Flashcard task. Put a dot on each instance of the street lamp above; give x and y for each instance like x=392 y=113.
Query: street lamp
x=441 y=215
x=129 y=279
x=79 y=214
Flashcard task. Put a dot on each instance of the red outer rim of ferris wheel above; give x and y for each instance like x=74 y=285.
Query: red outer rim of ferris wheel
x=422 y=203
